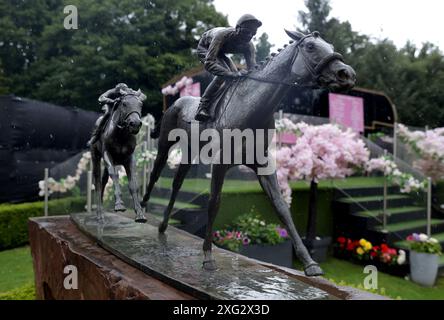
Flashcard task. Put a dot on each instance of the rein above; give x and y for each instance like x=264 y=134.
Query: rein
x=314 y=71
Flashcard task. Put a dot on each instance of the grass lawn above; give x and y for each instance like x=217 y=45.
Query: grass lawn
x=345 y=273
x=16 y=274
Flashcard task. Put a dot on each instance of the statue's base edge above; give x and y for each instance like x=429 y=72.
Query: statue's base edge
x=57 y=245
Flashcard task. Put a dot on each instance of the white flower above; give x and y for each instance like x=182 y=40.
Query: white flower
x=401 y=257
x=423 y=237
x=433 y=240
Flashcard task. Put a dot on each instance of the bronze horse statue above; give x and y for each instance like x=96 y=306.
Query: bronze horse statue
x=116 y=146
x=249 y=103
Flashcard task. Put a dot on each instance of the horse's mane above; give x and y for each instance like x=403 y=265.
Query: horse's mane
x=262 y=64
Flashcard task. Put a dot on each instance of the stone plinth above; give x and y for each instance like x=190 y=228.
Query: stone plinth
x=56 y=242
x=138 y=263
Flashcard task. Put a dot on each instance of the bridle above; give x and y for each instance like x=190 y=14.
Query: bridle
x=315 y=71
x=121 y=122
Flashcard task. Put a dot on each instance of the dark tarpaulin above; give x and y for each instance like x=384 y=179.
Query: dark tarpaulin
x=36 y=135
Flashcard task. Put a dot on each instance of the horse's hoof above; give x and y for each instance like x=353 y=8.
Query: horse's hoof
x=119 y=208
x=209 y=265
x=141 y=219
x=313 y=270
x=163 y=227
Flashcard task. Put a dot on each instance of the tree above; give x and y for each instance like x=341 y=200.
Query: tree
x=412 y=77
x=320 y=152
x=4 y=89
x=263 y=47
x=142 y=43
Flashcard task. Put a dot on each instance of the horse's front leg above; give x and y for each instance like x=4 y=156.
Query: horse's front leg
x=271 y=187
x=217 y=180
x=113 y=173
x=96 y=158
x=130 y=168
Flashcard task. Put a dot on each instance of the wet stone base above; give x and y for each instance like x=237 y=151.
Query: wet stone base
x=153 y=266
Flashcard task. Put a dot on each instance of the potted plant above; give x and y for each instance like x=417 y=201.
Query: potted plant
x=424 y=255
x=253 y=237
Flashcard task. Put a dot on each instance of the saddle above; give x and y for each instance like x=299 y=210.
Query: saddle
x=221 y=100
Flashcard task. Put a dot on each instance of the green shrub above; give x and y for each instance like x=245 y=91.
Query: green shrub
x=14 y=218
x=27 y=292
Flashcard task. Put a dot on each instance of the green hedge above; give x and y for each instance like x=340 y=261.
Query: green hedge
x=235 y=204
x=14 y=218
x=27 y=292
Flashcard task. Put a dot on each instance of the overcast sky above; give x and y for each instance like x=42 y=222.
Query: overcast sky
x=398 y=20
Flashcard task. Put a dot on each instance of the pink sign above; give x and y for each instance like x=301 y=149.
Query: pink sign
x=191 y=90
x=347 y=111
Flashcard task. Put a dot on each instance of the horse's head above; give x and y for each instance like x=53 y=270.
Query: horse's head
x=316 y=63
x=128 y=110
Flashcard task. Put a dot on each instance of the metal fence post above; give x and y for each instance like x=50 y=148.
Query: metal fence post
x=429 y=206
x=46 y=192
x=395 y=140
x=144 y=150
x=384 y=210
x=89 y=191
x=281 y=116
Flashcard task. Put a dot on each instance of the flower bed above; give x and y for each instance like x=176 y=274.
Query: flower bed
x=253 y=237
x=385 y=258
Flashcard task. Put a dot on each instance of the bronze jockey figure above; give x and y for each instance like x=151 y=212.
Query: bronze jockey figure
x=212 y=50
x=107 y=100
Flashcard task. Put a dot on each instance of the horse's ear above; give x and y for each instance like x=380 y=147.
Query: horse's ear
x=141 y=95
x=295 y=35
x=122 y=92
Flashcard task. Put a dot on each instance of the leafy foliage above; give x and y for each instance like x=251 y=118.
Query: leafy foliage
x=27 y=292
x=248 y=229
x=142 y=43
x=263 y=47
x=14 y=218
x=411 y=76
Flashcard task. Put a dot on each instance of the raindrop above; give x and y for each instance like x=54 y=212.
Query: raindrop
x=102 y=76
x=72 y=60
x=99 y=48
x=51 y=136
x=1 y=43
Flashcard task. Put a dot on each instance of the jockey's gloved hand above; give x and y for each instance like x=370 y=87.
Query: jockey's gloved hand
x=234 y=75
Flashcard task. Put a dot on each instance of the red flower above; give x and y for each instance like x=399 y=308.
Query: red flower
x=373 y=254
x=384 y=248
x=341 y=240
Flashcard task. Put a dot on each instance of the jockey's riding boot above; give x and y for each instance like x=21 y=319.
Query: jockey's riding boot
x=97 y=130
x=202 y=114
x=93 y=139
